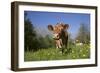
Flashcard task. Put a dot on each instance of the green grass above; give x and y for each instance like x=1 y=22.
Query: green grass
x=73 y=52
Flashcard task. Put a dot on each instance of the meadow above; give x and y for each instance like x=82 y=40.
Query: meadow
x=72 y=52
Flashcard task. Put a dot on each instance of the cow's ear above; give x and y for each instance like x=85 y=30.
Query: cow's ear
x=50 y=27
x=66 y=26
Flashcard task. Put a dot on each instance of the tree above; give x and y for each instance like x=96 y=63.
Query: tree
x=83 y=35
x=70 y=40
x=30 y=34
x=33 y=41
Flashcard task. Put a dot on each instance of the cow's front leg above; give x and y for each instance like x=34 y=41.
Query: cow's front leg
x=57 y=46
x=59 y=43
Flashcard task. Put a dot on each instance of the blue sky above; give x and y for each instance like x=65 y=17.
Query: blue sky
x=42 y=19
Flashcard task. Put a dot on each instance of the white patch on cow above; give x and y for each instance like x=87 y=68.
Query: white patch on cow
x=55 y=35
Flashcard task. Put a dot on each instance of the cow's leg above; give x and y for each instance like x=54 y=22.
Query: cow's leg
x=57 y=46
x=65 y=44
x=60 y=44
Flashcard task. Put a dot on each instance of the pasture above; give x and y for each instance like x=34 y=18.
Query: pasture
x=43 y=37
x=73 y=52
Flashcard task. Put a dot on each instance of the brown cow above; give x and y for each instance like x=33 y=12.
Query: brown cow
x=60 y=34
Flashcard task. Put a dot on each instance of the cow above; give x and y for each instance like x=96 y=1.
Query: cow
x=60 y=34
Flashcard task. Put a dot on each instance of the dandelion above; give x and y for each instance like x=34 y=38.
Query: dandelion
x=73 y=56
x=87 y=50
x=60 y=52
x=84 y=55
x=48 y=54
x=81 y=50
x=72 y=51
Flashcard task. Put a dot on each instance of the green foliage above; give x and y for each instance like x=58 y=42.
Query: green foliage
x=83 y=34
x=33 y=41
x=73 y=52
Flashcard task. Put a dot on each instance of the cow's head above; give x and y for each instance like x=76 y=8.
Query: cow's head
x=59 y=34
x=58 y=30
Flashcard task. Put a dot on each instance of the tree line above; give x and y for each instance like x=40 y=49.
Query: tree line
x=34 y=42
x=83 y=34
